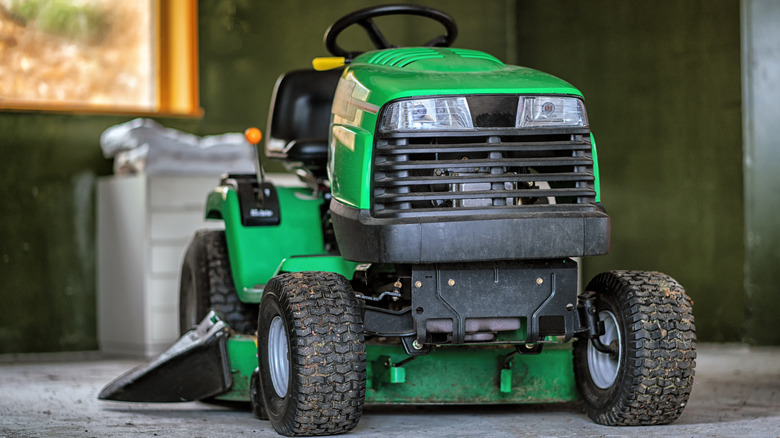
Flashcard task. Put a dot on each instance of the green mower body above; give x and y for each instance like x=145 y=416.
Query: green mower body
x=431 y=253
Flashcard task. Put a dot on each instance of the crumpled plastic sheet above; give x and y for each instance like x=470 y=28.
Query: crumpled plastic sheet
x=143 y=145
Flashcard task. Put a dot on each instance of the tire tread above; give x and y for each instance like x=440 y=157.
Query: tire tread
x=207 y=258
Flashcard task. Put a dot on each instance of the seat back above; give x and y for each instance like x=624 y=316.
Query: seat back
x=299 y=118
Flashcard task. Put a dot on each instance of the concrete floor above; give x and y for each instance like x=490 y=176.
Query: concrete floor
x=736 y=393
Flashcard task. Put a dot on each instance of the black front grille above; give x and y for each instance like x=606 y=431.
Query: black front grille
x=483 y=172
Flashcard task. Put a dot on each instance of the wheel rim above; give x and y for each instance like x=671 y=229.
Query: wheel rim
x=279 y=362
x=604 y=367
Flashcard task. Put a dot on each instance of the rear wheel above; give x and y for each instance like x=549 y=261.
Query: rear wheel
x=207 y=283
x=311 y=354
x=647 y=380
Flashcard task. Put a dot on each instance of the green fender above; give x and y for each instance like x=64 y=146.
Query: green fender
x=318 y=263
x=256 y=253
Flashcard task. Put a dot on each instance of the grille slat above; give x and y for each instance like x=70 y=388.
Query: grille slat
x=432 y=196
x=483 y=173
x=466 y=164
x=524 y=177
x=501 y=147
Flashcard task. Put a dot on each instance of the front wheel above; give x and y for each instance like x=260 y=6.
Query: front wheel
x=311 y=354
x=648 y=378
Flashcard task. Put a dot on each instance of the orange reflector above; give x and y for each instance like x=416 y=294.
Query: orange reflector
x=253 y=135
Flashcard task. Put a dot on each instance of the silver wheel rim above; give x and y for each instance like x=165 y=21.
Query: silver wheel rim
x=603 y=368
x=279 y=362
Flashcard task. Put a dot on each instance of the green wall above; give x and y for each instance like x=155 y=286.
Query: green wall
x=47 y=236
x=661 y=81
x=662 y=86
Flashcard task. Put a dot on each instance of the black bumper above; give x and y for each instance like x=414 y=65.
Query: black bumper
x=509 y=236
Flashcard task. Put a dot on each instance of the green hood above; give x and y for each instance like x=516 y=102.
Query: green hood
x=424 y=71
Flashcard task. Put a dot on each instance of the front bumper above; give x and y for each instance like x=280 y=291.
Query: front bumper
x=476 y=237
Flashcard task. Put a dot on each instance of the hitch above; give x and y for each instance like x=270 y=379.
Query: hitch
x=595 y=326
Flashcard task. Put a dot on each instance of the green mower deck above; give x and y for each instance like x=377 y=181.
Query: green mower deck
x=449 y=375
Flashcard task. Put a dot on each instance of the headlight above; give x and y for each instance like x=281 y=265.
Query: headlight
x=487 y=111
x=548 y=111
x=445 y=113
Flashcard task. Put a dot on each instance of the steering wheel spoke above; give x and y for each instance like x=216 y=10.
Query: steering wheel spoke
x=376 y=36
x=439 y=41
x=364 y=18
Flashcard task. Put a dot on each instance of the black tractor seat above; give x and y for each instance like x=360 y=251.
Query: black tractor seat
x=299 y=119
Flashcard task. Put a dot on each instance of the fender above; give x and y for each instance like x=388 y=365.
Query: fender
x=326 y=263
x=256 y=252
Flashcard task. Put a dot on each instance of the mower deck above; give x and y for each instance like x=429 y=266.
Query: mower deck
x=448 y=375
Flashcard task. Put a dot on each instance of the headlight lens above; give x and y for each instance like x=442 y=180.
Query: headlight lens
x=548 y=111
x=445 y=113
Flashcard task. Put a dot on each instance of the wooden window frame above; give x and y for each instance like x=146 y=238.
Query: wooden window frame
x=176 y=24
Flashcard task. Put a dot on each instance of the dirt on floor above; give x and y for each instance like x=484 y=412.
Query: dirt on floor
x=736 y=393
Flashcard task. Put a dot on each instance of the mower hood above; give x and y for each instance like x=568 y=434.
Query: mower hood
x=423 y=71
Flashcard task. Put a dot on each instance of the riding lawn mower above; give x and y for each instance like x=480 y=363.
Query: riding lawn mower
x=429 y=255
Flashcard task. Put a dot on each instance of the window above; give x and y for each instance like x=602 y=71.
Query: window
x=133 y=56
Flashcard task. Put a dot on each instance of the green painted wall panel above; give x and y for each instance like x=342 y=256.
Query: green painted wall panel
x=662 y=86
x=47 y=232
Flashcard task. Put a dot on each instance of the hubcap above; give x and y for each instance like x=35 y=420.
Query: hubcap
x=279 y=362
x=604 y=367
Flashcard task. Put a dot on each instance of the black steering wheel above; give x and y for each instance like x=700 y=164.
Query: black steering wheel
x=363 y=17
